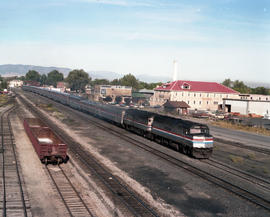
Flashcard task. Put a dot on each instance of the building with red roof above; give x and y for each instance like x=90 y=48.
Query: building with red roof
x=197 y=94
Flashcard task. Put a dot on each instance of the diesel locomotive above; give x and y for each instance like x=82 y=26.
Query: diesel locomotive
x=190 y=138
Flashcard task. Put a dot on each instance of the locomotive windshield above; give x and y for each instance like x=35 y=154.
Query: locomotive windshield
x=195 y=131
x=198 y=130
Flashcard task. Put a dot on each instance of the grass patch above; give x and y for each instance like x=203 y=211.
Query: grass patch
x=69 y=121
x=265 y=170
x=58 y=115
x=251 y=156
x=3 y=99
x=226 y=124
x=236 y=159
x=48 y=107
x=216 y=147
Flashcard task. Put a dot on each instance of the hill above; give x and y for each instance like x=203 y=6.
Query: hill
x=20 y=70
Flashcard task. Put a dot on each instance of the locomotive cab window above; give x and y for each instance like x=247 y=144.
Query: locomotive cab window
x=195 y=130
x=204 y=130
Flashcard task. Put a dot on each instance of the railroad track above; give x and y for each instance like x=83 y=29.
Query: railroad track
x=126 y=201
x=263 y=183
x=240 y=145
x=221 y=182
x=237 y=190
x=68 y=193
x=14 y=201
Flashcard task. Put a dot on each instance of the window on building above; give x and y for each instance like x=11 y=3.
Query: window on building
x=187 y=102
x=185 y=86
x=266 y=99
x=200 y=94
x=200 y=102
x=182 y=94
x=194 y=94
x=188 y=94
x=194 y=102
x=259 y=98
x=208 y=95
x=207 y=102
x=250 y=97
x=227 y=96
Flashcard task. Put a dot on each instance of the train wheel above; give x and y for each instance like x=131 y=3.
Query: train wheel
x=46 y=161
x=59 y=160
x=185 y=150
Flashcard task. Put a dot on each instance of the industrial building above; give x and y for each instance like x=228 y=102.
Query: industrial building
x=247 y=106
x=113 y=91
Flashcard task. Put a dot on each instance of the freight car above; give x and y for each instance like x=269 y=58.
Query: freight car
x=48 y=146
x=188 y=137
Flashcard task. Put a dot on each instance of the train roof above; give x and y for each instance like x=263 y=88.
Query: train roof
x=174 y=120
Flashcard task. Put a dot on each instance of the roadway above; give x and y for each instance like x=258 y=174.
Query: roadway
x=250 y=139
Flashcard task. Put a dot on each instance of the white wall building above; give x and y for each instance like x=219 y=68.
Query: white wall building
x=198 y=95
x=15 y=83
x=246 y=106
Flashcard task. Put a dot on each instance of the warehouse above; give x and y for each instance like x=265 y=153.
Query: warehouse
x=246 y=106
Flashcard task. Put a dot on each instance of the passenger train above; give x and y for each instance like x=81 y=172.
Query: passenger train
x=188 y=137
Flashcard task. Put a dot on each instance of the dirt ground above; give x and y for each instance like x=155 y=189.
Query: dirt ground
x=43 y=197
x=89 y=144
x=161 y=184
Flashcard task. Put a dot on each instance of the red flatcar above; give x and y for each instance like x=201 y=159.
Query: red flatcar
x=48 y=146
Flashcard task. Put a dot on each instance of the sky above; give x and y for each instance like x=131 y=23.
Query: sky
x=211 y=39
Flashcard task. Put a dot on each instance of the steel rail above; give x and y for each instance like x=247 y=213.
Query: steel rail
x=239 y=173
x=237 y=190
x=17 y=168
x=67 y=204
x=240 y=145
x=7 y=113
x=126 y=196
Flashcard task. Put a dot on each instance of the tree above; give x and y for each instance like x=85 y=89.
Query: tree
x=43 y=79
x=130 y=80
x=54 y=77
x=115 y=82
x=77 y=79
x=32 y=75
x=228 y=83
x=100 y=82
x=260 y=90
x=3 y=83
x=240 y=87
x=22 y=78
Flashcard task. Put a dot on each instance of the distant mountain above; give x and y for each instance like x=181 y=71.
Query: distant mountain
x=257 y=84
x=153 y=79
x=20 y=70
x=104 y=75
x=113 y=75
